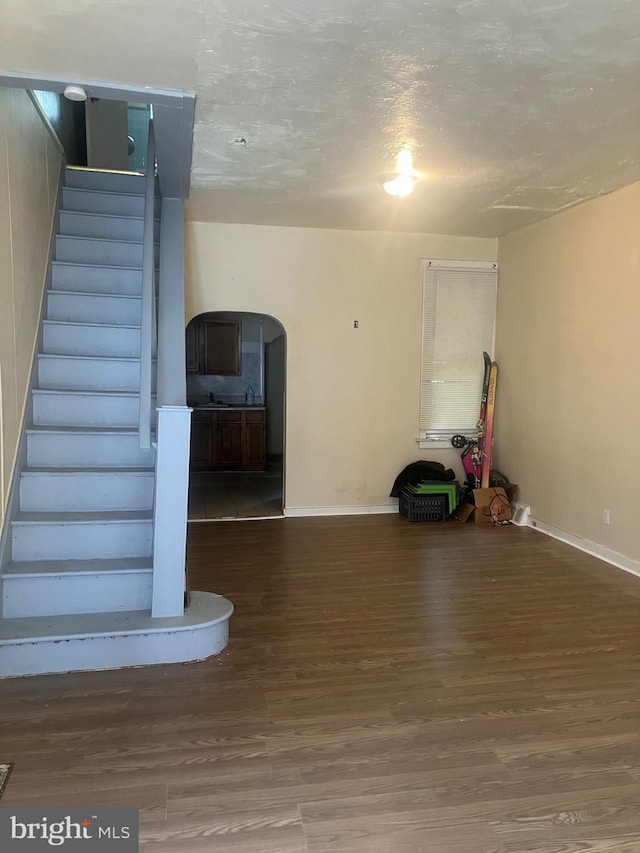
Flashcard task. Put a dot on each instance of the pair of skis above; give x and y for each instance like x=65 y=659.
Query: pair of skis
x=487 y=411
x=476 y=455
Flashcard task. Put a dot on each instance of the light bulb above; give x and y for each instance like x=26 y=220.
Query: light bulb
x=405 y=162
x=400 y=185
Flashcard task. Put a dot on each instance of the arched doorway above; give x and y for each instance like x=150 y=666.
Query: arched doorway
x=236 y=373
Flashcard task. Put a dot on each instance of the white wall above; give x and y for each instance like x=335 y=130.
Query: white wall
x=352 y=394
x=29 y=174
x=568 y=344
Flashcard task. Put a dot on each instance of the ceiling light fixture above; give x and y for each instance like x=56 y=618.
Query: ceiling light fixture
x=401 y=183
x=75 y=93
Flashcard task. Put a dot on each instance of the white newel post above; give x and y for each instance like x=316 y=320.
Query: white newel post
x=170 y=515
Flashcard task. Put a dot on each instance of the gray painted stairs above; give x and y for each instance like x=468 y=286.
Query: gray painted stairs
x=77 y=593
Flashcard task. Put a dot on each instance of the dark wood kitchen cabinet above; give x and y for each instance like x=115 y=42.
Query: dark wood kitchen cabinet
x=221 y=348
x=228 y=440
x=213 y=347
x=192 y=347
x=254 y=440
x=201 y=434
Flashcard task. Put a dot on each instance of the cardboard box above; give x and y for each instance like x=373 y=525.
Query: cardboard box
x=484 y=500
x=463 y=512
x=490 y=502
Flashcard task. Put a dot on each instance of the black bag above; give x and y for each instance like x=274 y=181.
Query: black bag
x=416 y=472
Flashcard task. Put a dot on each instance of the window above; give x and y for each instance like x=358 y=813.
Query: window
x=458 y=324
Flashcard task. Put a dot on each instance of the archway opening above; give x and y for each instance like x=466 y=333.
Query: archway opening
x=236 y=379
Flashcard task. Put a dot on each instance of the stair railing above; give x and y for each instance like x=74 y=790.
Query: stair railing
x=148 y=325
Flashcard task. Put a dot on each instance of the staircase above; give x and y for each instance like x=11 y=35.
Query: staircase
x=77 y=592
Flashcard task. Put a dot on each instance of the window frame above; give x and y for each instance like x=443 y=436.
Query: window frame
x=443 y=439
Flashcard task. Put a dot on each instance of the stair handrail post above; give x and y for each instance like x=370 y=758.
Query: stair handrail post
x=147 y=313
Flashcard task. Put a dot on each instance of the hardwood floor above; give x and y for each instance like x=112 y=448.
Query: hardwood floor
x=389 y=688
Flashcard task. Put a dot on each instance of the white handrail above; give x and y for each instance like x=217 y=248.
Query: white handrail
x=148 y=329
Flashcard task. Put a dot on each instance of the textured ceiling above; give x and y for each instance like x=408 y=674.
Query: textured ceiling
x=514 y=109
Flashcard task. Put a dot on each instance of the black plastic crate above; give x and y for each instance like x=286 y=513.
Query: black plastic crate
x=424 y=507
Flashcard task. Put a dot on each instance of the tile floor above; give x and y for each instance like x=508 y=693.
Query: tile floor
x=234 y=495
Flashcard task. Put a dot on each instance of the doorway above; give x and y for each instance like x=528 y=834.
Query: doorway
x=236 y=374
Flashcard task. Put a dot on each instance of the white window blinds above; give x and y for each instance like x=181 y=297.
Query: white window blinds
x=458 y=323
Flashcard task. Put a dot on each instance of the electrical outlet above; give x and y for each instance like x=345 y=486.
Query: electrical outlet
x=606 y=516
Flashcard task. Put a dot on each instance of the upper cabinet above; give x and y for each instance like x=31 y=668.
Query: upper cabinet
x=192 y=347
x=213 y=347
x=221 y=348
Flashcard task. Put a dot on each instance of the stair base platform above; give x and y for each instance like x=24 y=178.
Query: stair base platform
x=94 y=641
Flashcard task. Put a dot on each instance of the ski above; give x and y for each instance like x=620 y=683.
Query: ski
x=472 y=448
x=487 y=441
x=485 y=394
x=482 y=420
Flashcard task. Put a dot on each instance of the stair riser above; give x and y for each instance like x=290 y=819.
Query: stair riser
x=87 y=375
x=95 y=450
x=66 y=339
x=89 y=251
x=84 y=492
x=112 y=652
x=107 y=203
x=81 y=308
x=59 y=595
x=107 y=181
x=108 y=227
x=88 y=279
x=81 y=541
x=93 y=410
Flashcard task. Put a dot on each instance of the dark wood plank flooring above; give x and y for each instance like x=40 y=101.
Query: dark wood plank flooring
x=389 y=688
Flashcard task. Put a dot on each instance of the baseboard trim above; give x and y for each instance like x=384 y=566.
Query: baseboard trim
x=589 y=547
x=235 y=518
x=301 y=511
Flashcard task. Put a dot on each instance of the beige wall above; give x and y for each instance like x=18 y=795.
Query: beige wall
x=352 y=394
x=568 y=345
x=29 y=172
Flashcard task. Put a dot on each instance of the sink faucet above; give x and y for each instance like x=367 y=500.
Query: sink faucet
x=211 y=400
